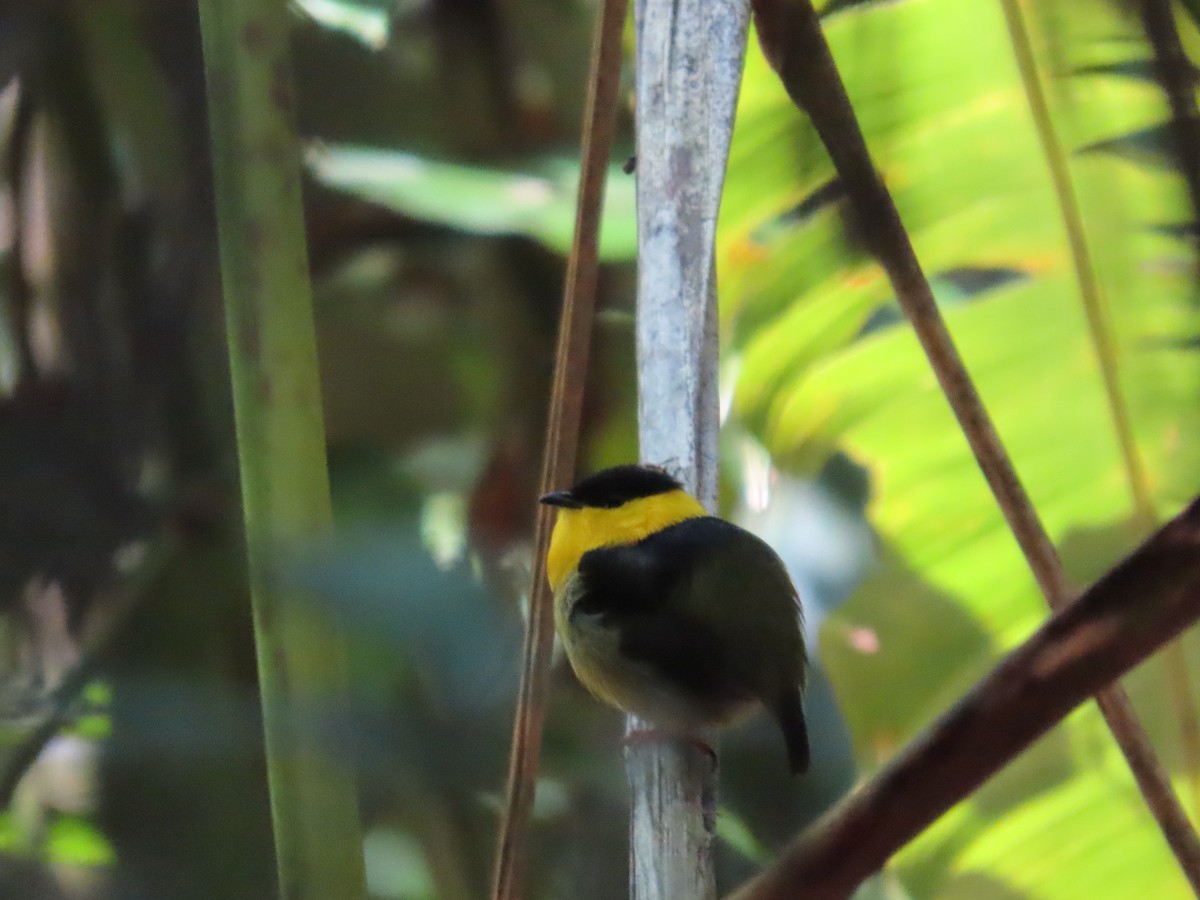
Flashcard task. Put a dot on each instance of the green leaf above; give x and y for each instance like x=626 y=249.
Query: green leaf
x=76 y=841
x=369 y=23
x=94 y=727
x=13 y=837
x=538 y=203
x=1091 y=836
x=733 y=830
x=396 y=867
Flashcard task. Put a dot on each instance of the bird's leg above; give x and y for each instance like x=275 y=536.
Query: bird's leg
x=654 y=735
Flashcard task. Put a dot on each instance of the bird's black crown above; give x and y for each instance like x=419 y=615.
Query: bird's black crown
x=609 y=488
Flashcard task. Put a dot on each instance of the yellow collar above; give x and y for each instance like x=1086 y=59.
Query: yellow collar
x=578 y=531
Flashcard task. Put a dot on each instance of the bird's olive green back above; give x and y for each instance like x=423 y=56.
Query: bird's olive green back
x=739 y=587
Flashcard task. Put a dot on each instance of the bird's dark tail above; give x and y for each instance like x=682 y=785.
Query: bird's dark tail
x=789 y=710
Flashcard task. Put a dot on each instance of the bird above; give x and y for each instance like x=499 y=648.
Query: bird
x=679 y=617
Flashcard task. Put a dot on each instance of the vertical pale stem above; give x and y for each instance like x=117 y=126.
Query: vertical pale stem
x=689 y=64
x=280 y=435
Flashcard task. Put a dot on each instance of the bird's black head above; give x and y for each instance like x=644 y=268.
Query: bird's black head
x=610 y=488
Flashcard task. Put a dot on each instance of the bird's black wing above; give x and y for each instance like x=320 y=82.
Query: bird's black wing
x=638 y=591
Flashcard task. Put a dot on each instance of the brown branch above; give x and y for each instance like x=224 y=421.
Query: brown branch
x=562 y=439
x=795 y=46
x=1145 y=601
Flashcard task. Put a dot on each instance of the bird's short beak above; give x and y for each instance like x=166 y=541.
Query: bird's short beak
x=560 y=498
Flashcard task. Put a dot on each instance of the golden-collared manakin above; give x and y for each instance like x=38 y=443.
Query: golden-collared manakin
x=679 y=617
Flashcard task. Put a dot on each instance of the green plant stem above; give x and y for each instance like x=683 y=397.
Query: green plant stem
x=1099 y=330
x=281 y=441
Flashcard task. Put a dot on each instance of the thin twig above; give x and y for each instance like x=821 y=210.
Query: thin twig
x=795 y=45
x=562 y=440
x=1146 y=600
x=1178 y=77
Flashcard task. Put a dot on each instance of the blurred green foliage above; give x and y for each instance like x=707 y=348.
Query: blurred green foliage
x=483 y=201
x=825 y=365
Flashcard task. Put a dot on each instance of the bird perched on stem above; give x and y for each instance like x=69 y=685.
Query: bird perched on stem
x=679 y=617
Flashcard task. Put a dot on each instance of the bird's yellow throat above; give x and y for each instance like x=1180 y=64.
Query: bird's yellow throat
x=578 y=531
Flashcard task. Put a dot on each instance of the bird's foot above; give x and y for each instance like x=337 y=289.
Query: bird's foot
x=656 y=735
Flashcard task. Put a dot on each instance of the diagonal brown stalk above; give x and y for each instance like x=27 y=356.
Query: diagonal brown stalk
x=562 y=440
x=1146 y=600
x=796 y=48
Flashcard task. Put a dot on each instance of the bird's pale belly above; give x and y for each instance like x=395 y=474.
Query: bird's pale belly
x=630 y=685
